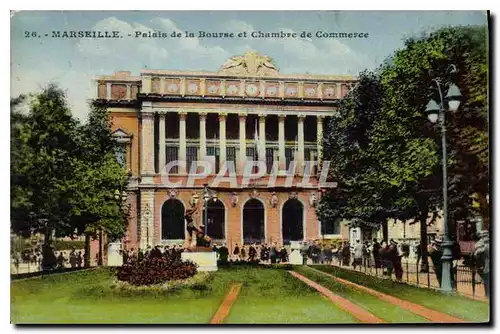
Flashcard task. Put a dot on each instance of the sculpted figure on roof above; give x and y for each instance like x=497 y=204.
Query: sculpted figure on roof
x=251 y=63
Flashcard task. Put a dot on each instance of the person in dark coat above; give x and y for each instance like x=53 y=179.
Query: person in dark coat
x=236 y=252
x=283 y=255
x=155 y=252
x=346 y=254
x=376 y=253
x=252 y=253
x=243 y=253
x=274 y=254
x=223 y=253
x=395 y=258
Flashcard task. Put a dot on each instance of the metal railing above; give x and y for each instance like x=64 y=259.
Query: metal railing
x=466 y=279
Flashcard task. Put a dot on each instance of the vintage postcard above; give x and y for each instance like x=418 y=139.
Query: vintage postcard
x=244 y=167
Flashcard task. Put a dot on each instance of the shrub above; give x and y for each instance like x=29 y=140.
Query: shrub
x=155 y=270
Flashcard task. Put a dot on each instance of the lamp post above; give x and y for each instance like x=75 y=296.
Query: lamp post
x=147 y=215
x=436 y=111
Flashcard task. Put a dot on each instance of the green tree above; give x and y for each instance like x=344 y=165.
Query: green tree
x=95 y=210
x=43 y=142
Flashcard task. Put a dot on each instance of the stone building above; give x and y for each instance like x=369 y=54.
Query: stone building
x=246 y=111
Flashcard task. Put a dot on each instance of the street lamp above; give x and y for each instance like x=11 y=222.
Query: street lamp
x=437 y=111
x=147 y=215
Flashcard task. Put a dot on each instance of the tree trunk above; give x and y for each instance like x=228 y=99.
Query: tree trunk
x=423 y=241
x=87 y=251
x=484 y=209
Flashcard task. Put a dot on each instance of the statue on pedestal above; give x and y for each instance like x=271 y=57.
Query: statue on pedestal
x=195 y=233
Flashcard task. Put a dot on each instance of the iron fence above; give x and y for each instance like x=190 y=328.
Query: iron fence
x=465 y=279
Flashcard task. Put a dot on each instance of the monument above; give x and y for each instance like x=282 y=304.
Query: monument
x=198 y=245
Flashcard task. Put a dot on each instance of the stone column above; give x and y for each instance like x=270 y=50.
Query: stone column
x=262 y=137
x=108 y=91
x=300 y=137
x=161 y=138
x=281 y=142
x=147 y=145
x=182 y=141
x=147 y=218
x=129 y=95
x=222 y=139
x=319 y=139
x=203 y=135
x=243 y=144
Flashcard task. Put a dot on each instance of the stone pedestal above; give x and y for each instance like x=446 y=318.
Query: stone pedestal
x=115 y=258
x=295 y=257
x=206 y=261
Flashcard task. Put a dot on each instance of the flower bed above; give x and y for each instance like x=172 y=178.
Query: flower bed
x=155 y=270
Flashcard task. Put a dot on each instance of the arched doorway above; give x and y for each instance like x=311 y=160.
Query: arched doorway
x=253 y=222
x=172 y=220
x=216 y=222
x=292 y=221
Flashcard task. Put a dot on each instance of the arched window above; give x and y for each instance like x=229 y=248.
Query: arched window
x=253 y=222
x=216 y=222
x=292 y=225
x=172 y=220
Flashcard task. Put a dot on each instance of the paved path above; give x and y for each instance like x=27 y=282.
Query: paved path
x=226 y=304
x=425 y=312
x=358 y=312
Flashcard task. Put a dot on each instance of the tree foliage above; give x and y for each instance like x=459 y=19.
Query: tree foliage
x=386 y=155
x=64 y=174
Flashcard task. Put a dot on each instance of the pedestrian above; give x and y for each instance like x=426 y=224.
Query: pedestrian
x=243 y=253
x=72 y=258
x=482 y=259
x=304 y=249
x=223 y=254
x=376 y=253
x=366 y=254
x=435 y=253
x=236 y=253
x=252 y=253
x=358 y=255
x=60 y=260
x=346 y=254
x=395 y=259
x=274 y=254
x=79 y=260
x=283 y=255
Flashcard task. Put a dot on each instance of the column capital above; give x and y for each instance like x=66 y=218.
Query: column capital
x=282 y=117
x=162 y=113
x=203 y=115
x=222 y=116
x=262 y=115
x=182 y=115
x=242 y=114
x=301 y=117
x=320 y=118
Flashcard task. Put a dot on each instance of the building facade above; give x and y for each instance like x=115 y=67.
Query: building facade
x=247 y=111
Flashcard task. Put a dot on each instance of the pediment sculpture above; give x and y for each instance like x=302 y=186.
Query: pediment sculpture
x=251 y=63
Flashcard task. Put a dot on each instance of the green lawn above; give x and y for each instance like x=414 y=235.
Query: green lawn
x=85 y=297
x=274 y=296
x=268 y=296
x=384 y=310
x=461 y=307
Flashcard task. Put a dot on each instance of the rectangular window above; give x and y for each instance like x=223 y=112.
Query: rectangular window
x=269 y=159
x=172 y=155
x=121 y=155
x=252 y=156
x=289 y=155
x=191 y=156
x=214 y=152
x=231 y=155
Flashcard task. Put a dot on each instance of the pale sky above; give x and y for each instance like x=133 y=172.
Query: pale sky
x=73 y=63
